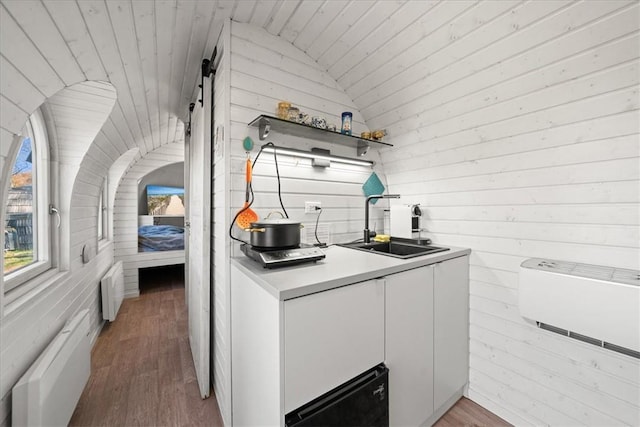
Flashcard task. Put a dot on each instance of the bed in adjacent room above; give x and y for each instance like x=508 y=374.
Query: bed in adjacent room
x=162 y=229
x=153 y=238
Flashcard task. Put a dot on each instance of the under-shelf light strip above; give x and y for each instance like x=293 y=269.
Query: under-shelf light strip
x=310 y=155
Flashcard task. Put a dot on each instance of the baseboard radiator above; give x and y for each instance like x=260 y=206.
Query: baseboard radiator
x=594 y=304
x=112 y=285
x=48 y=392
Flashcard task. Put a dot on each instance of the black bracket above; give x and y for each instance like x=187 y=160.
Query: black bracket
x=207 y=70
x=191 y=107
x=264 y=127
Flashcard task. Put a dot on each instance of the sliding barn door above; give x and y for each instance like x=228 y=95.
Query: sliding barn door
x=198 y=261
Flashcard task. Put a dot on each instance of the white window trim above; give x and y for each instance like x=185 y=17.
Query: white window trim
x=100 y=233
x=43 y=221
x=20 y=295
x=25 y=274
x=102 y=213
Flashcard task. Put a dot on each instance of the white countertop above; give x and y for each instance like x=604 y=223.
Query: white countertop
x=342 y=266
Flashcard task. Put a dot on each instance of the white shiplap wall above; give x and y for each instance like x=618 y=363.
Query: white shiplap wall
x=221 y=316
x=430 y=72
x=265 y=69
x=256 y=72
x=27 y=330
x=125 y=216
x=32 y=319
x=516 y=127
x=117 y=170
x=74 y=117
x=149 y=51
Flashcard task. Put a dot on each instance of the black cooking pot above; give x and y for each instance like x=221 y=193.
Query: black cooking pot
x=277 y=233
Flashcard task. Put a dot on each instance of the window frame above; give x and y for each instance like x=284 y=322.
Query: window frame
x=35 y=128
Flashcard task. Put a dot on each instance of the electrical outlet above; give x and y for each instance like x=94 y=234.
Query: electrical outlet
x=312 y=207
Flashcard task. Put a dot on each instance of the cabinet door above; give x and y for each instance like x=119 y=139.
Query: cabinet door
x=329 y=338
x=409 y=345
x=451 y=328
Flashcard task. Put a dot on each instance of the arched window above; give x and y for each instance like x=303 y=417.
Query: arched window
x=27 y=228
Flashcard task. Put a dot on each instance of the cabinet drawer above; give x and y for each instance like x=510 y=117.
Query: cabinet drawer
x=329 y=338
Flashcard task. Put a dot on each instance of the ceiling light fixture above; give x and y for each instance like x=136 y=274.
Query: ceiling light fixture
x=318 y=156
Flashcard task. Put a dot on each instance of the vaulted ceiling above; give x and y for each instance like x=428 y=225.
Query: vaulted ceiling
x=151 y=52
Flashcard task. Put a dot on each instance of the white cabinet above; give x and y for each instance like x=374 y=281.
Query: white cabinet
x=256 y=366
x=451 y=328
x=409 y=345
x=287 y=353
x=426 y=348
x=329 y=338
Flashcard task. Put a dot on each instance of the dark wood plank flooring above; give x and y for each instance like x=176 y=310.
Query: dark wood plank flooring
x=142 y=372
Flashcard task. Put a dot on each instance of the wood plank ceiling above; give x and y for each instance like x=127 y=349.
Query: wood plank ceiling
x=151 y=51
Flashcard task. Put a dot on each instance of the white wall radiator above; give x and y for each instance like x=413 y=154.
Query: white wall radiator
x=48 y=392
x=112 y=285
x=594 y=304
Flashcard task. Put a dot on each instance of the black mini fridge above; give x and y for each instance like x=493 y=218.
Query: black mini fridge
x=361 y=401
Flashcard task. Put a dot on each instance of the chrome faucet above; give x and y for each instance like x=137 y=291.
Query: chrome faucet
x=367 y=233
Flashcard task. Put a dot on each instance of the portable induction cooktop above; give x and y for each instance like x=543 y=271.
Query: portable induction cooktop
x=273 y=258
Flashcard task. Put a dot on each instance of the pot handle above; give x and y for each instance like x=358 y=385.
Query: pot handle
x=255 y=230
x=274 y=212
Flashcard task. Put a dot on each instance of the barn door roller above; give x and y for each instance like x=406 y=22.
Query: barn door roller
x=207 y=70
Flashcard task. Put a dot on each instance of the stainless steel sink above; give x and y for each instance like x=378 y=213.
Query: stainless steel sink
x=396 y=249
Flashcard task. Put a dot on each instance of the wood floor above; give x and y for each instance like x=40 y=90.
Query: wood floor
x=142 y=372
x=469 y=414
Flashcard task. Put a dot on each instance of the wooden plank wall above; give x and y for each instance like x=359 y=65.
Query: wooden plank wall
x=50 y=46
x=77 y=113
x=45 y=48
x=265 y=69
x=32 y=319
x=256 y=71
x=117 y=170
x=74 y=117
x=27 y=331
x=220 y=311
x=125 y=217
x=516 y=127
